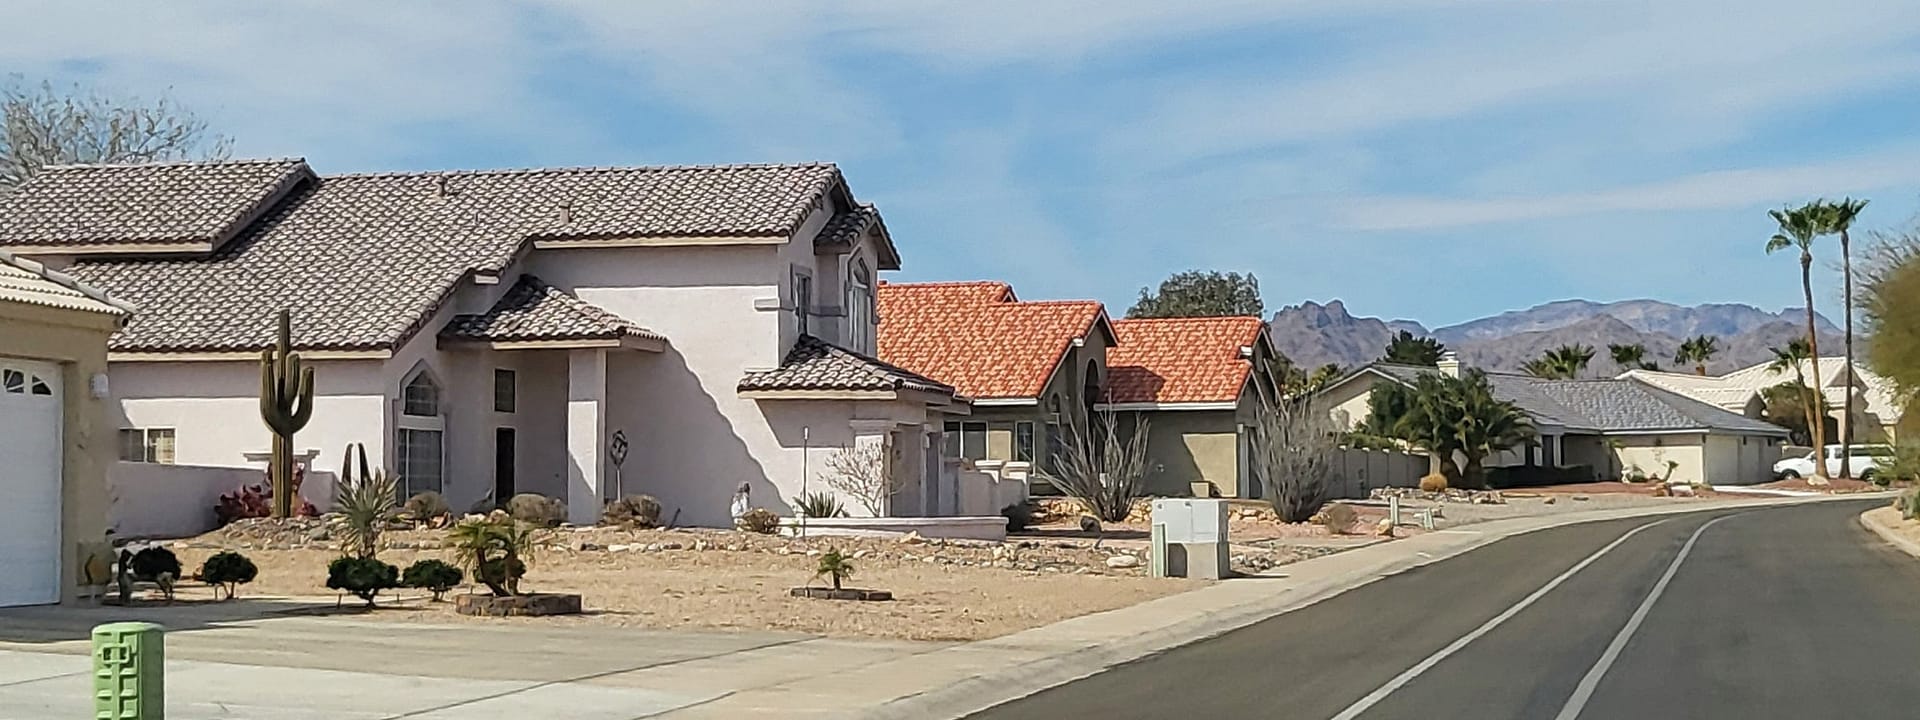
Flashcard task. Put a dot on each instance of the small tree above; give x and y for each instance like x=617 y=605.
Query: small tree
x=1293 y=454
x=495 y=550
x=1200 y=293
x=41 y=125
x=835 y=567
x=434 y=576
x=227 y=570
x=868 y=473
x=1103 y=468
x=1406 y=349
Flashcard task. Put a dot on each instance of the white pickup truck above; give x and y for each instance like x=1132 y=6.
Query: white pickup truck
x=1865 y=461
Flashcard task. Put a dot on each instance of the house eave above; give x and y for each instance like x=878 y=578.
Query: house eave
x=1005 y=402
x=819 y=395
x=233 y=355
x=168 y=248
x=1139 y=406
x=657 y=241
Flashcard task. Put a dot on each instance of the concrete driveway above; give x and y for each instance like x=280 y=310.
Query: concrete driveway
x=245 y=660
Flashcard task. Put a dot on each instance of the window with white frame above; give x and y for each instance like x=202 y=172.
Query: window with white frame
x=966 y=440
x=860 y=314
x=420 y=439
x=146 y=445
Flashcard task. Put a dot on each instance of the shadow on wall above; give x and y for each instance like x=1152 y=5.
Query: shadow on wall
x=827 y=432
x=684 y=450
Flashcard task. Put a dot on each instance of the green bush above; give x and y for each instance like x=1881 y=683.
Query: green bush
x=641 y=511
x=152 y=562
x=496 y=550
x=363 y=577
x=228 y=570
x=759 y=520
x=1020 y=516
x=819 y=504
x=425 y=506
x=537 y=510
x=835 y=567
x=434 y=576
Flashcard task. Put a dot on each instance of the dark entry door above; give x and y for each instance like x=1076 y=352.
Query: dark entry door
x=502 y=464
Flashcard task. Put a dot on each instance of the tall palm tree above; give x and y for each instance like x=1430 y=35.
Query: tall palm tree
x=1798 y=228
x=1631 y=356
x=1838 y=219
x=1562 y=363
x=1697 y=351
x=1793 y=358
x=1483 y=424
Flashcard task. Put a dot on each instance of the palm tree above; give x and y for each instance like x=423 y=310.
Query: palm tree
x=1793 y=358
x=1697 y=351
x=1798 y=228
x=1484 y=424
x=1631 y=356
x=1425 y=420
x=1562 y=363
x=1405 y=349
x=1837 y=220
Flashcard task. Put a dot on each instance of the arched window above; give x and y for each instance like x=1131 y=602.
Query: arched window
x=860 y=315
x=420 y=436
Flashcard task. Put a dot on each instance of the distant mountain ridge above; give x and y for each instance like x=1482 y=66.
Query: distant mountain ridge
x=1314 y=334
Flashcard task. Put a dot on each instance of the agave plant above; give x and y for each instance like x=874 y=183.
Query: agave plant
x=365 y=503
x=819 y=504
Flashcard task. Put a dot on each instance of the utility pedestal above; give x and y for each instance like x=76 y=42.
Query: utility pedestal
x=129 y=659
x=1190 y=539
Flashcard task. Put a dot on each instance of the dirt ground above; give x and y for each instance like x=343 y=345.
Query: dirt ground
x=728 y=580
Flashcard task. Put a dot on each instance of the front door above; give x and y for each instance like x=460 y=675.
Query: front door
x=502 y=464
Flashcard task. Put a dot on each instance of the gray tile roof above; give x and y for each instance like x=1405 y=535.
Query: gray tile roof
x=190 y=204
x=844 y=229
x=365 y=260
x=28 y=282
x=534 y=310
x=815 y=364
x=1609 y=405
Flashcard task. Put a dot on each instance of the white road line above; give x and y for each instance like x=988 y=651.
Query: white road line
x=1584 y=691
x=1407 y=676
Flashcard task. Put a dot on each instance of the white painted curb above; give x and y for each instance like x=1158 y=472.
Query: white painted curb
x=1886 y=533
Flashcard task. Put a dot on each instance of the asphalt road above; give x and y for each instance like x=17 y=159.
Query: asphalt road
x=1792 y=612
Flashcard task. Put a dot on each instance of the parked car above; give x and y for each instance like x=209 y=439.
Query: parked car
x=1865 y=461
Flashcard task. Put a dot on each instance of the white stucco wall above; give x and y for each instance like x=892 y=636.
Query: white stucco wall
x=214 y=409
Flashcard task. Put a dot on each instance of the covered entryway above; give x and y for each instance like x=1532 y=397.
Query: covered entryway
x=30 y=482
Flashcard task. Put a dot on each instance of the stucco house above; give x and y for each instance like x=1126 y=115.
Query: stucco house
x=576 y=332
x=1878 y=410
x=1194 y=380
x=1609 y=426
x=56 y=431
x=1030 y=368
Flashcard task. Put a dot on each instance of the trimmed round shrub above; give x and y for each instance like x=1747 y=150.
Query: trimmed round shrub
x=426 y=506
x=228 y=570
x=1020 y=516
x=760 y=520
x=641 y=511
x=362 y=577
x=537 y=509
x=150 y=563
x=433 y=576
x=1435 y=482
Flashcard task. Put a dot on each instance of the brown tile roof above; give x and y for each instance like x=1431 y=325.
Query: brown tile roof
x=977 y=337
x=1180 y=360
x=534 y=310
x=815 y=364
x=28 y=282
x=843 y=231
x=365 y=260
x=194 y=205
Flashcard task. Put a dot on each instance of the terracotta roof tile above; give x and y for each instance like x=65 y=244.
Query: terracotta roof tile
x=816 y=364
x=364 y=260
x=977 y=337
x=1180 y=360
x=534 y=310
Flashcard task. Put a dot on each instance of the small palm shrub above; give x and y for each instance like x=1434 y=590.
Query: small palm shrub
x=641 y=511
x=435 y=576
x=228 y=570
x=1433 y=483
x=427 y=506
x=819 y=504
x=834 y=566
x=495 y=550
x=362 y=577
x=759 y=520
x=537 y=510
x=1338 y=518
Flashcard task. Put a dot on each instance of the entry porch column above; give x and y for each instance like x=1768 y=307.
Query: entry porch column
x=586 y=434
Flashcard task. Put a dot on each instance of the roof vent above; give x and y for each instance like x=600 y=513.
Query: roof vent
x=566 y=213
x=440 y=187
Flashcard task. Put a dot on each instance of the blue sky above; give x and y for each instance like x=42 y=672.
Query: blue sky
x=1434 y=159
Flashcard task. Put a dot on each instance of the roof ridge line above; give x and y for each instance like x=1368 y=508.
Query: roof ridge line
x=175 y=163
x=579 y=169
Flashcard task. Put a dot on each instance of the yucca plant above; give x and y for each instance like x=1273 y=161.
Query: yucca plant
x=819 y=504
x=364 y=504
x=835 y=567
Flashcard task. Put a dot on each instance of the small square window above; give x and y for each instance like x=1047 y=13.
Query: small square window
x=503 y=390
x=147 y=445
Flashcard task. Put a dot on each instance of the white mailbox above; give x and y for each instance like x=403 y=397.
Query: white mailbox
x=1190 y=520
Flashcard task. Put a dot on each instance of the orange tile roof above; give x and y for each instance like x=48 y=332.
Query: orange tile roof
x=979 y=338
x=1180 y=360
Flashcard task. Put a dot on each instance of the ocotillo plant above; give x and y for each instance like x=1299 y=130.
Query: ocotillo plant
x=286 y=403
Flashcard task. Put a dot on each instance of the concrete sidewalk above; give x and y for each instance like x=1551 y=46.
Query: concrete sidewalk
x=242 y=661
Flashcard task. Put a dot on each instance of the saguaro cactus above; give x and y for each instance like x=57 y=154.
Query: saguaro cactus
x=286 y=403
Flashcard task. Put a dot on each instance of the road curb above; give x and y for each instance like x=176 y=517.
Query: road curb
x=1017 y=680
x=1887 y=533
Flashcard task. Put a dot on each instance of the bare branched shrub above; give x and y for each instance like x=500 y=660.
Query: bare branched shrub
x=1102 y=467
x=1293 y=452
x=42 y=125
x=868 y=473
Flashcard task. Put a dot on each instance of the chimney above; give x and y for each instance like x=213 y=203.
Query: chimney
x=440 y=187
x=1450 y=364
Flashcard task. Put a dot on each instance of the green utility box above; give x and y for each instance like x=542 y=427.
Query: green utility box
x=129 y=660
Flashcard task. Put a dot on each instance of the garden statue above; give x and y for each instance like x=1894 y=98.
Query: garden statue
x=742 y=501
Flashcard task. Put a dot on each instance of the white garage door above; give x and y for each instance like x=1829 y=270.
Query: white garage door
x=29 y=483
